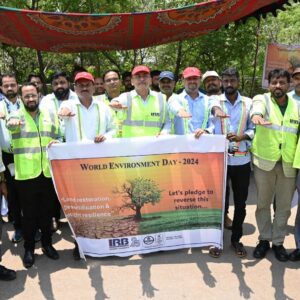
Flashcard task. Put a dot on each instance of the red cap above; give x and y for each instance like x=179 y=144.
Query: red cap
x=139 y=69
x=84 y=75
x=190 y=72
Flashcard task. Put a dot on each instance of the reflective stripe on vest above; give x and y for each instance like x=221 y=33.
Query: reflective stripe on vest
x=144 y=127
x=80 y=128
x=206 y=113
x=29 y=145
x=225 y=126
x=278 y=140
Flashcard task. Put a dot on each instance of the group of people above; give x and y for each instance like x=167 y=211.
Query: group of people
x=262 y=132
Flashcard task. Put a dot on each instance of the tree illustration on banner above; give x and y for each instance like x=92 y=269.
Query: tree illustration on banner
x=138 y=192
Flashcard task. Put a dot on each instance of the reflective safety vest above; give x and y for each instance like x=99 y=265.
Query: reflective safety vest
x=118 y=115
x=142 y=119
x=279 y=139
x=29 y=144
x=296 y=163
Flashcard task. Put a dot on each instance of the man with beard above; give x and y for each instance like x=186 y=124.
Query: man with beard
x=99 y=86
x=38 y=81
x=61 y=92
x=295 y=93
x=52 y=102
x=155 y=80
x=239 y=130
x=196 y=103
x=10 y=104
x=32 y=130
x=126 y=81
x=212 y=83
x=179 y=119
x=276 y=116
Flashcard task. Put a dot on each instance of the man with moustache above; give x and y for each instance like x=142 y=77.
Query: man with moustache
x=179 y=119
x=38 y=81
x=11 y=103
x=126 y=81
x=155 y=80
x=239 y=130
x=61 y=91
x=276 y=116
x=295 y=93
x=144 y=112
x=196 y=103
x=32 y=130
x=99 y=86
x=212 y=83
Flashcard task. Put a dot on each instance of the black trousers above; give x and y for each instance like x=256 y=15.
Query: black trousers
x=239 y=176
x=37 y=207
x=12 y=193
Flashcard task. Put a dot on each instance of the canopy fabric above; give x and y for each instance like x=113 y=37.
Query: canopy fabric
x=74 y=32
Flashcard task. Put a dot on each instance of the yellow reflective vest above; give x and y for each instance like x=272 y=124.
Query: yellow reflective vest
x=29 y=143
x=296 y=163
x=279 y=139
x=144 y=120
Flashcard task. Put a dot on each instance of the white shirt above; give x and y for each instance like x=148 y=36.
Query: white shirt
x=89 y=122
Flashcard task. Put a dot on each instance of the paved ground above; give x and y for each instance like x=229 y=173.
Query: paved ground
x=184 y=274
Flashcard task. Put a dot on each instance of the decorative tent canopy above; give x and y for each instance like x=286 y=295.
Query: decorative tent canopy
x=74 y=32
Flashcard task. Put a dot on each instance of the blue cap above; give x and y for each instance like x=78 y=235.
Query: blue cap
x=167 y=74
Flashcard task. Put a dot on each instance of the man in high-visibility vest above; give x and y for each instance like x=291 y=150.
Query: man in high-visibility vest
x=32 y=130
x=145 y=112
x=295 y=93
x=276 y=116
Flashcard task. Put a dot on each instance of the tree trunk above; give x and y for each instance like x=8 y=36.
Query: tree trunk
x=255 y=60
x=42 y=68
x=178 y=60
x=138 y=214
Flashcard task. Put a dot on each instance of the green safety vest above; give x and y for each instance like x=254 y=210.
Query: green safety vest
x=280 y=138
x=296 y=163
x=144 y=120
x=29 y=144
x=118 y=115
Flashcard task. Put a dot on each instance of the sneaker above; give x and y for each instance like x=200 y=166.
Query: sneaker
x=18 y=236
x=227 y=222
x=261 y=249
x=280 y=252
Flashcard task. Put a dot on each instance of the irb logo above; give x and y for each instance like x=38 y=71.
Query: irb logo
x=118 y=243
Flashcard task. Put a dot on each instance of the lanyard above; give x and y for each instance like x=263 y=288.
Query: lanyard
x=225 y=126
x=80 y=120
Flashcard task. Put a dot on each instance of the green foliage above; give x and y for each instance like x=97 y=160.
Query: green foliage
x=241 y=46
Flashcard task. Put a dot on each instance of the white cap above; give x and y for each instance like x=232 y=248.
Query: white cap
x=210 y=74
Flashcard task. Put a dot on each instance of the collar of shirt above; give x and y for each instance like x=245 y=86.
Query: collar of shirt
x=188 y=97
x=12 y=106
x=135 y=94
x=77 y=101
x=224 y=98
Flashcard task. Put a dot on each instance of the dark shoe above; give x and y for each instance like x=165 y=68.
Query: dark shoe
x=37 y=236
x=54 y=225
x=295 y=255
x=239 y=249
x=227 y=222
x=7 y=274
x=215 y=252
x=76 y=254
x=261 y=249
x=18 y=236
x=280 y=253
x=50 y=252
x=28 y=259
